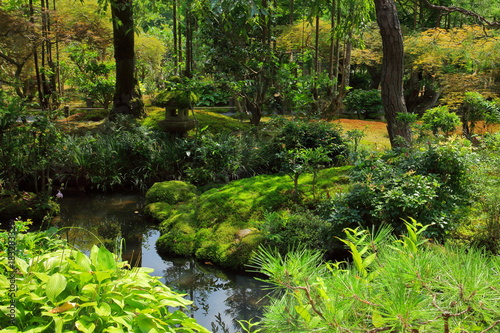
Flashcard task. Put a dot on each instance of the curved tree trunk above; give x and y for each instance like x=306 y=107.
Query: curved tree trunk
x=127 y=98
x=392 y=72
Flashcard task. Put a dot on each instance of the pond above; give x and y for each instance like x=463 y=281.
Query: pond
x=220 y=297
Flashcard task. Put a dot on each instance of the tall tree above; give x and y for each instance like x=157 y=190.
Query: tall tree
x=127 y=98
x=392 y=72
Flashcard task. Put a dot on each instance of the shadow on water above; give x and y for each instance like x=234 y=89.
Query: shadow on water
x=220 y=298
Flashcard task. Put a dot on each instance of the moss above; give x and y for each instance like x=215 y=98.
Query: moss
x=217 y=225
x=175 y=98
x=171 y=192
x=179 y=241
x=158 y=211
x=218 y=123
x=153 y=116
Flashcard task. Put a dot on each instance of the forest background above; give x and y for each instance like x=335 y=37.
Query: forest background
x=313 y=60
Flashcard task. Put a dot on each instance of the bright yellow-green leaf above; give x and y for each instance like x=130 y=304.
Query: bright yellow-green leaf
x=55 y=286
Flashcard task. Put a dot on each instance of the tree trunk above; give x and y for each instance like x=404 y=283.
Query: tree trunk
x=392 y=72
x=127 y=98
x=174 y=30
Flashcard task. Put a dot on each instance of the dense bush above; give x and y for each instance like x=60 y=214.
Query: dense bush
x=312 y=135
x=475 y=108
x=440 y=119
x=221 y=157
x=366 y=103
x=285 y=230
x=431 y=184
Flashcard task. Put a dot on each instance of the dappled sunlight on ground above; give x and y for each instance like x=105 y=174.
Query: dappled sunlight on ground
x=375 y=132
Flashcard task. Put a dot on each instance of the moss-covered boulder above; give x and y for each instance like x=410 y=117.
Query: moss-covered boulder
x=221 y=225
x=171 y=192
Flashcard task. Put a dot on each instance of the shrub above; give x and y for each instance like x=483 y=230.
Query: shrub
x=305 y=135
x=475 y=108
x=432 y=185
x=393 y=285
x=366 y=103
x=284 y=230
x=440 y=119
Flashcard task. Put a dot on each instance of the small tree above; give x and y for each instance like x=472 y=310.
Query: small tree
x=476 y=108
x=440 y=119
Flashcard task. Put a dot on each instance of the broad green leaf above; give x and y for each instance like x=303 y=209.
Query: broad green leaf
x=102 y=275
x=84 y=261
x=368 y=260
x=145 y=323
x=55 y=285
x=105 y=259
x=58 y=321
x=103 y=310
x=22 y=265
x=93 y=255
x=85 y=327
x=125 y=321
x=42 y=276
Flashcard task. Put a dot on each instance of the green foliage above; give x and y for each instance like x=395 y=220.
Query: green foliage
x=284 y=230
x=301 y=160
x=475 y=108
x=440 y=119
x=220 y=157
x=311 y=136
x=224 y=224
x=60 y=289
x=431 y=184
x=482 y=228
x=392 y=284
x=26 y=148
x=171 y=192
x=366 y=103
x=93 y=77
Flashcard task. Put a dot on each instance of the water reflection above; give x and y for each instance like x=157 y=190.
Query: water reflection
x=220 y=298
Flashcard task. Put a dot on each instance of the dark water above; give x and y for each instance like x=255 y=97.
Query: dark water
x=220 y=297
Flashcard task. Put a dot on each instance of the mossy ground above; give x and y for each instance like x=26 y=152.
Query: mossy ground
x=212 y=121
x=221 y=224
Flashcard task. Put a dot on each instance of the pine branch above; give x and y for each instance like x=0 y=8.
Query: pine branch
x=452 y=9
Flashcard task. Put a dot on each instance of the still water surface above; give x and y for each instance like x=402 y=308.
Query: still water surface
x=220 y=297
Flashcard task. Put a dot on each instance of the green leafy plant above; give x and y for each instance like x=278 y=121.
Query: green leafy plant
x=440 y=119
x=366 y=103
x=475 y=108
x=61 y=289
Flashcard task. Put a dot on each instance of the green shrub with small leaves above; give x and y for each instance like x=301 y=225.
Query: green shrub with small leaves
x=433 y=184
x=366 y=103
x=440 y=120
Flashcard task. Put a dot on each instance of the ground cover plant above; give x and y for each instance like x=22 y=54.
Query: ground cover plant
x=224 y=224
x=61 y=289
x=394 y=284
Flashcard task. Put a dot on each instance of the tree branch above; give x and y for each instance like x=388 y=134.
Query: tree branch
x=451 y=9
